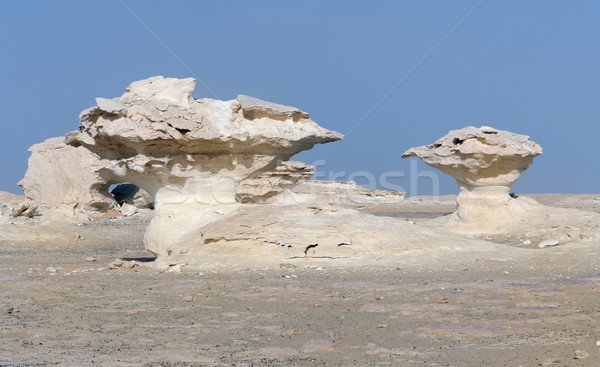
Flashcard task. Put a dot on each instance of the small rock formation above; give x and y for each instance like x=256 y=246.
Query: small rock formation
x=64 y=179
x=485 y=163
x=12 y=205
x=348 y=194
x=192 y=155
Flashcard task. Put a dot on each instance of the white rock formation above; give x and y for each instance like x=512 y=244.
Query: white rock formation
x=274 y=186
x=64 y=179
x=348 y=194
x=191 y=155
x=12 y=205
x=301 y=234
x=485 y=163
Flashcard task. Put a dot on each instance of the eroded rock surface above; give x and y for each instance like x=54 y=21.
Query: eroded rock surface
x=485 y=162
x=269 y=186
x=64 y=179
x=191 y=155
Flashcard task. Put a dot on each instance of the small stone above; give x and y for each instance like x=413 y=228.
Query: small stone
x=598 y=343
x=51 y=270
x=318 y=345
x=10 y=309
x=90 y=259
x=128 y=210
x=581 y=354
x=548 y=243
x=175 y=268
x=115 y=264
x=188 y=299
x=288 y=333
x=550 y=362
x=382 y=326
x=527 y=242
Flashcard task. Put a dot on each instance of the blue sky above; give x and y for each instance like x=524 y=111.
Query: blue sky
x=527 y=67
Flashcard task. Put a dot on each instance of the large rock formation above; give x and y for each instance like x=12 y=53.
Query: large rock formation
x=191 y=155
x=485 y=163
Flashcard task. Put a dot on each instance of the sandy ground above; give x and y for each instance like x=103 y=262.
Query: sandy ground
x=60 y=304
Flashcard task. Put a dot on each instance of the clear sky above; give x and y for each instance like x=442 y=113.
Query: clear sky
x=395 y=74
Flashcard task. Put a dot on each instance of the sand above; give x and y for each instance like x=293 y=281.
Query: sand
x=60 y=304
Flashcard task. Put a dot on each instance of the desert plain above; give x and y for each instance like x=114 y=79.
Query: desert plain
x=65 y=300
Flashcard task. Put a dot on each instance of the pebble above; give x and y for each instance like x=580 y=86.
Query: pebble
x=288 y=333
x=10 y=309
x=90 y=259
x=581 y=354
x=550 y=362
x=318 y=345
x=51 y=270
x=527 y=242
x=382 y=326
x=548 y=243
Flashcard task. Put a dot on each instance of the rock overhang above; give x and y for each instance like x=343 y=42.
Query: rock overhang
x=147 y=121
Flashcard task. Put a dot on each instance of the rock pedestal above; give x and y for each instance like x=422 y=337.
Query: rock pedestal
x=485 y=162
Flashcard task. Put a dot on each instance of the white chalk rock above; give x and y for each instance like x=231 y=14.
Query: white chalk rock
x=267 y=187
x=485 y=163
x=65 y=179
x=191 y=155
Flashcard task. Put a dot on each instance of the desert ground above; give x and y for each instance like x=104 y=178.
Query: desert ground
x=64 y=300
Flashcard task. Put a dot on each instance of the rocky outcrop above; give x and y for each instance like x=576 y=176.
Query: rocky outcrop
x=12 y=205
x=191 y=155
x=347 y=194
x=288 y=184
x=485 y=162
x=64 y=179
x=309 y=234
x=268 y=187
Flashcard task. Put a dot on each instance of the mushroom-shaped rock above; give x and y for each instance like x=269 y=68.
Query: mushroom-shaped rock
x=191 y=155
x=485 y=162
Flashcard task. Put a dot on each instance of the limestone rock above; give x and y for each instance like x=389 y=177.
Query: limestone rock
x=268 y=185
x=343 y=193
x=254 y=107
x=190 y=155
x=65 y=179
x=171 y=90
x=12 y=205
x=251 y=235
x=485 y=163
